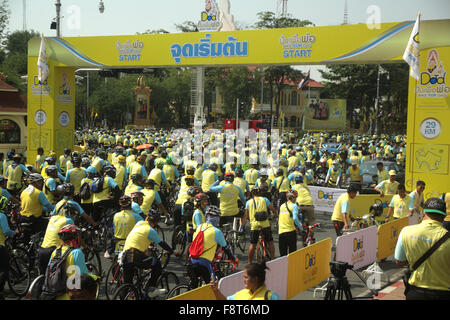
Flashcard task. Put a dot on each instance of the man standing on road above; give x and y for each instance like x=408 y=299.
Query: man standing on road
x=341 y=212
x=388 y=187
x=431 y=279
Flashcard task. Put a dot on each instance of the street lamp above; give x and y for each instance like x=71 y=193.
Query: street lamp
x=56 y=23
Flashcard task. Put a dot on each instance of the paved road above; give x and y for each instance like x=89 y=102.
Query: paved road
x=326 y=230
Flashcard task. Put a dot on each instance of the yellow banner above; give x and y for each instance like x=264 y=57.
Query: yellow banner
x=325 y=114
x=388 y=235
x=428 y=130
x=308 y=267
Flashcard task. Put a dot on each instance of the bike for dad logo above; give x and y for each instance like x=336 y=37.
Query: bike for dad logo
x=432 y=81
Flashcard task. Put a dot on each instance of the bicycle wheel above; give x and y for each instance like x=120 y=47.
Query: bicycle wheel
x=126 y=292
x=179 y=289
x=19 y=279
x=179 y=239
x=34 y=293
x=231 y=242
x=93 y=258
x=114 y=279
x=262 y=252
x=160 y=232
x=242 y=242
x=168 y=281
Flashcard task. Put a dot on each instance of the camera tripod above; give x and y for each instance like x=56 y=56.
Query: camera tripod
x=338 y=288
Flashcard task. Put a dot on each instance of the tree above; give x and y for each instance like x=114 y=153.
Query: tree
x=235 y=83
x=187 y=26
x=358 y=84
x=15 y=59
x=277 y=76
x=4 y=20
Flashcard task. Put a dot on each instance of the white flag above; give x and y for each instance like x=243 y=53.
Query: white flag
x=42 y=62
x=412 y=52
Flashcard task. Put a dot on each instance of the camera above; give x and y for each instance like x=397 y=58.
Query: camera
x=339 y=268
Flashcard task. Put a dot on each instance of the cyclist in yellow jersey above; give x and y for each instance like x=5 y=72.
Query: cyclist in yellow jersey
x=281 y=185
x=431 y=279
x=138 y=241
x=354 y=173
x=212 y=238
x=288 y=223
x=229 y=196
x=342 y=210
x=240 y=182
x=136 y=183
x=254 y=281
x=251 y=175
x=388 y=187
x=14 y=173
x=122 y=173
x=305 y=203
x=5 y=231
x=123 y=222
x=75 y=263
x=151 y=197
x=402 y=205
x=382 y=174
x=75 y=176
x=63 y=159
x=257 y=212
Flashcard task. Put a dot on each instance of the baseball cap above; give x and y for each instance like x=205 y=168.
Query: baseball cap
x=392 y=172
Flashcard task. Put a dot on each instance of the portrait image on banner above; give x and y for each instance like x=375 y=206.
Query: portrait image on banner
x=325 y=114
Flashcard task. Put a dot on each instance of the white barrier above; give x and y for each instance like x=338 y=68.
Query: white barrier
x=358 y=248
x=276 y=279
x=325 y=198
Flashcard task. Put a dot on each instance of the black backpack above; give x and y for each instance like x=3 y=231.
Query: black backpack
x=188 y=209
x=85 y=191
x=55 y=283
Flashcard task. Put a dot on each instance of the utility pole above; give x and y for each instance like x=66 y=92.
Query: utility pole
x=58 y=18
x=24 y=15
x=346 y=13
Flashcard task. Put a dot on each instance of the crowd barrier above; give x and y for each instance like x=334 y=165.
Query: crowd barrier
x=388 y=235
x=202 y=293
x=358 y=248
x=325 y=199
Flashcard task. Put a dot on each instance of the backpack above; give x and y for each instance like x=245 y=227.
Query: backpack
x=188 y=209
x=55 y=283
x=85 y=191
x=97 y=185
x=196 y=248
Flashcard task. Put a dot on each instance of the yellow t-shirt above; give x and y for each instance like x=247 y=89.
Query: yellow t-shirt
x=433 y=273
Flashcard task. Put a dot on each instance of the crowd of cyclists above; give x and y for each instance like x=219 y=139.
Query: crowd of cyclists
x=126 y=182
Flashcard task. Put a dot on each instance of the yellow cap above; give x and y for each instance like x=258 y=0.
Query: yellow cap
x=392 y=172
x=121 y=158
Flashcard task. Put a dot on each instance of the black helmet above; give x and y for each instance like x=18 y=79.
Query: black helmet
x=213 y=166
x=76 y=160
x=50 y=160
x=280 y=172
x=85 y=162
x=66 y=189
x=190 y=171
x=193 y=191
x=212 y=211
x=109 y=171
x=239 y=172
x=35 y=177
x=51 y=169
x=136 y=177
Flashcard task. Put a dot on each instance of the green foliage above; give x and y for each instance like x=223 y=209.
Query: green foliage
x=269 y=20
x=4 y=20
x=187 y=26
x=14 y=58
x=235 y=83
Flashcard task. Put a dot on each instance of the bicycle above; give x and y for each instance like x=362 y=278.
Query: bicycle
x=235 y=238
x=222 y=267
x=114 y=276
x=140 y=289
x=307 y=234
x=19 y=279
x=262 y=249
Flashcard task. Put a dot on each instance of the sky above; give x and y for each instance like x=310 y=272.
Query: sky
x=127 y=17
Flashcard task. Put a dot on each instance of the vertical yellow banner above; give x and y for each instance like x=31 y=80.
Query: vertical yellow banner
x=428 y=126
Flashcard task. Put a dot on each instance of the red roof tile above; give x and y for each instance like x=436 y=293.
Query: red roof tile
x=6 y=87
